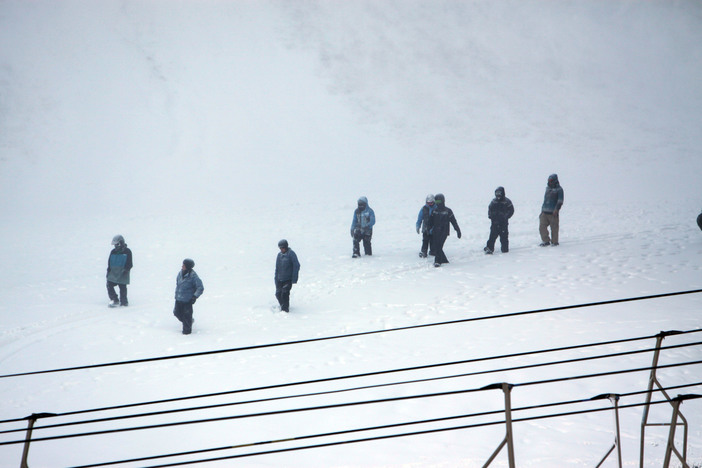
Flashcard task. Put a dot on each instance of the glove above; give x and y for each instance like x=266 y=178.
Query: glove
x=192 y=301
x=417 y=230
x=458 y=233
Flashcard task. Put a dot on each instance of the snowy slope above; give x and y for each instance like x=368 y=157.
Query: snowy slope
x=213 y=129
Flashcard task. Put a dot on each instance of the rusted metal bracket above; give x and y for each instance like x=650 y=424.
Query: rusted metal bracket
x=508 y=440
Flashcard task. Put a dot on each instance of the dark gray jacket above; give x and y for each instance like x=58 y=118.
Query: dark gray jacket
x=287 y=267
x=119 y=263
x=553 y=198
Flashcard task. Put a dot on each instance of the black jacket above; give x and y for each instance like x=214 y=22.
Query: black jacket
x=439 y=222
x=500 y=210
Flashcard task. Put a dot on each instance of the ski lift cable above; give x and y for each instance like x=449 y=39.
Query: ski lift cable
x=344 y=390
x=343 y=405
x=355 y=335
x=367 y=374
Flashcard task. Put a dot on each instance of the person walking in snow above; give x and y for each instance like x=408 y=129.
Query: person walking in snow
x=287 y=268
x=188 y=288
x=423 y=225
x=553 y=201
x=362 y=228
x=499 y=212
x=119 y=264
x=439 y=228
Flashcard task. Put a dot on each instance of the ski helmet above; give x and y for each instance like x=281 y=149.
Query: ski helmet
x=283 y=244
x=430 y=198
x=189 y=263
x=118 y=239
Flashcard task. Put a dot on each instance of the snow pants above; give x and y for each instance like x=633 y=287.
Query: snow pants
x=184 y=312
x=282 y=293
x=547 y=220
x=438 y=248
x=498 y=230
x=122 y=293
x=359 y=236
x=426 y=243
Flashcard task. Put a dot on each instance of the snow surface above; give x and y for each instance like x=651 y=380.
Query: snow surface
x=212 y=129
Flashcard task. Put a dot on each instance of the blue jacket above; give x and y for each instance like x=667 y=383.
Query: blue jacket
x=363 y=220
x=423 y=218
x=287 y=267
x=188 y=285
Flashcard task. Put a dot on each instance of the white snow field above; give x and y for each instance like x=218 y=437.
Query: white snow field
x=212 y=129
